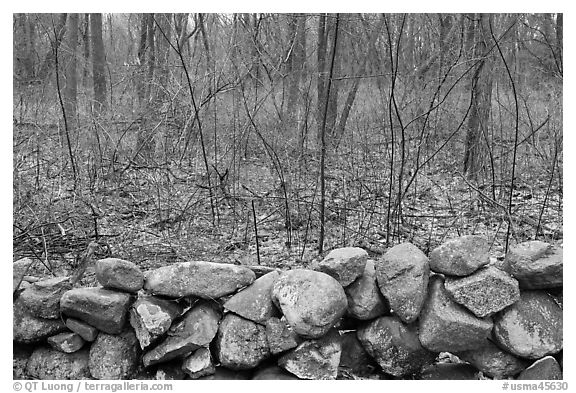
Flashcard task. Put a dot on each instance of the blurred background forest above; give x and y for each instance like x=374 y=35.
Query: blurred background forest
x=272 y=138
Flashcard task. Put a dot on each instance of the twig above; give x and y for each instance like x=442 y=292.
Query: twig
x=256 y=232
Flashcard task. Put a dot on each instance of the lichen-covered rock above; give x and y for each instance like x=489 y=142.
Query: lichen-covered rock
x=196 y=329
x=493 y=361
x=67 y=342
x=364 y=298
x=314 y=359
x=449 y=371
x=20 y=356
x=207 y=280
x=151 y=317
x=48 y=363
x=87 y=332
x=199 y=364
x=104 y=309
x=344 y=264
x=114 y=356
x=460 y=256
x=27 y=329
x=446 y=326
x=20 y=268
x=543 y=369
x=395 y=346
x=273 y=373
x=535 y=264
x=485 y=291
x=530 y=328
x=241 y=344
x=255 y=302
x=311 y=301
x=402 y=274
x=119 y=274
x=354 y=359
x=42 y=298
x=280 y=336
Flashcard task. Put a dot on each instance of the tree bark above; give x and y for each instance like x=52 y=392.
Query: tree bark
x=98 y=64
x=48 y=62
x=71 y=89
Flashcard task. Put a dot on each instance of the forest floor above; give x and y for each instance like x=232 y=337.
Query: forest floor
x=157 y=213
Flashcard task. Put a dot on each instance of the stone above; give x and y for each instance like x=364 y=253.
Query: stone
x=493 y=361
x=67 y=342
x=48 y=363
x=394 y=345
x=196 y=329
x=255 y=302
x=402 y=274
x=280 y=336
x=273 y=373
x=446 y=326
x=260 y=271
x=87 y=332
x=460 y=256
x=354 y=359
x=530 y=328
x=28 y=329
x=484 y=292
x=311 y=301
x=544 y=369
x=170 y=371
x=241 y=344
x=206 y=280
x=20 y=268
x=114 y=273
x=449 y=371
x=364 y=298
x=535 y=264
x=104 y=309
x=344 y=264
x=222 y=373
x=42 y=298
x=151 y=317
x=114 y=356
x=314 y=359
x=20 y=356
x=199 y=364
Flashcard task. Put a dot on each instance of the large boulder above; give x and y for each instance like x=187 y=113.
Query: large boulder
x=530 y=328
x=114 y=356
x=344 y=264
x=196 y=329
x=355 y=360
x=535 y=264
x=446 y=326
x=207 y=280
x=402 y=274
x=20 y=268
x=42 y=298
x=199 y=364
x=119 y=274
x=546 y=368
x=460 y=256
x=27 y=329
x=395 y=346
x=493 y=361
x=311 y=301
x=241 y=344
x=255 y=302
x=281 y=337
x=20 y=356
x=365 y=301
x=151 y=317
x=104 y=309
x=67 y=342
x=314 y=359
x=87 y=332
x=485 y=291
x=48 y=363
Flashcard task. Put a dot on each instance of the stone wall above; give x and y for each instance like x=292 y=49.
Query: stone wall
x=455 y=314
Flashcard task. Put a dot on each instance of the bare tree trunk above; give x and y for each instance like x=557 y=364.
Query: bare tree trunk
x=560 y=41
x=23 y=48
x=48 y=62
x=481 y=90
x=71 y=89
x=98 y=63
x=296 y=64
